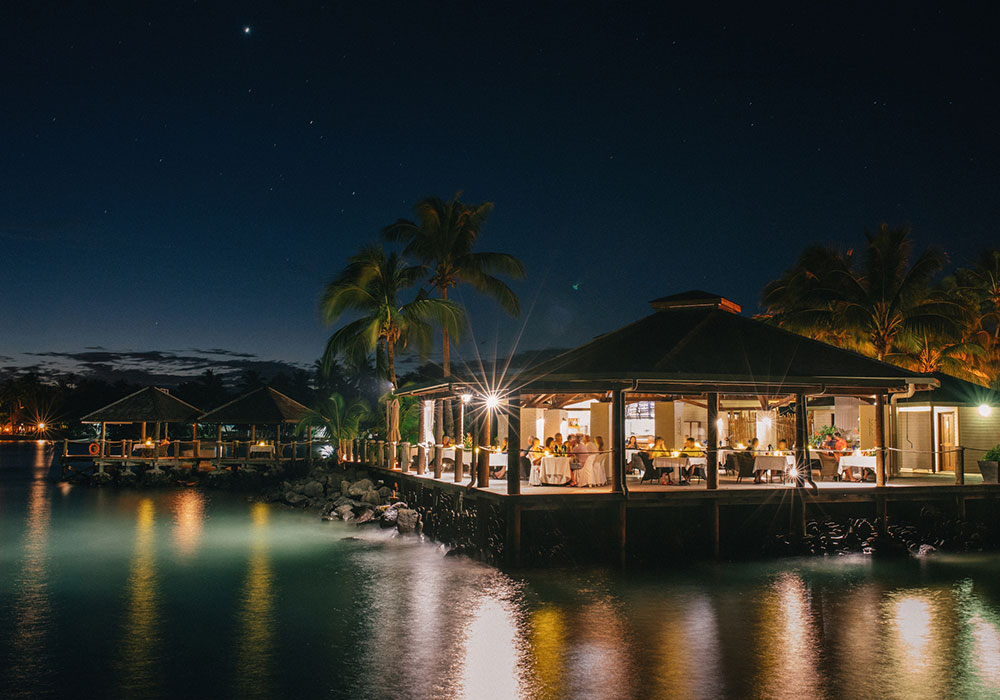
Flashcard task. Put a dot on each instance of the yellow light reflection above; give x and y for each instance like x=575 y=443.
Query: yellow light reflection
x=919 y=657
x=912 y=622
x=491 y=654
x=986 y=652
x=788 y=654
x=189 y=519
x=139 y=662
x=254 y=653
x=32 y=608
x=548 y=647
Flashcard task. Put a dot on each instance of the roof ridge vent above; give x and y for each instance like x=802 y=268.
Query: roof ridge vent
x=696 y=299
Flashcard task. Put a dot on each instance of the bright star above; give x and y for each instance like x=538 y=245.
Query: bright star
x=246 y=30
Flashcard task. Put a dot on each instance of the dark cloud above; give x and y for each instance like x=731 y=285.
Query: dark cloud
x=221 y=351
x=161 y=367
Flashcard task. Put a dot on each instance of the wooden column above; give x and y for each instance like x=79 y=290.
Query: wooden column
x=513 y=544
x=421 y=433
x=461 y=421
x=712 y=451
x=514 y=450
x=483 y=458
x=104 y=438
x=618 y=446
x=801 y=442
x=880 y=439
x=438 y=435
x=143 y=438
x=459 y=463
x=277 y=442
x=156 y=444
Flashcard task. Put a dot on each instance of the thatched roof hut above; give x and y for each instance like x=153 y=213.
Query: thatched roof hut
x=262 y=406
x=149 y=405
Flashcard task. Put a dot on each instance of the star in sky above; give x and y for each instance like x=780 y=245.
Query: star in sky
x=246 y=30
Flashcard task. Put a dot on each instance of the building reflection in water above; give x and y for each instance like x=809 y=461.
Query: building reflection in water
x=788 y=642
x=920 y=651
x=32 y=612
x=255 y=646
x=548 y=650
x=492 y=665
x=189 y=519
x=139 y=660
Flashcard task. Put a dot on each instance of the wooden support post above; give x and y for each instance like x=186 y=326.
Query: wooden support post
x=880 y=440
x=438 y=460
x=404 y=457
x=156 y=445
x=618 y=446
x=712 y=451
x=438 y=435
x=380 y=454
x=459 y=463
x=253 y=434
x=960 y=469
x=799 y=506
x=143 y=435
x=802 y=448
x=960 y=503
x=514 y=446
x=622 y=533
x=104 y=439
x=392 y=455
x=713 y=522
x=483 y=458
x=277 y=444
x=461 y=422
x=882 y=513
x=512 y=547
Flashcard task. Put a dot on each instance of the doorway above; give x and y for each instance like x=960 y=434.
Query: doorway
x=947 y=441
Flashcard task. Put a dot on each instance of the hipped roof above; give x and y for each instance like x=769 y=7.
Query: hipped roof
x=262 y=406
x=697 y=342
x=149 y=405
x=955 y=392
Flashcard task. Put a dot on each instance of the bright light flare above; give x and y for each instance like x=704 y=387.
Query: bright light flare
x=466 y=398
x=985 y=410
x=793 y=472
x=492 y=402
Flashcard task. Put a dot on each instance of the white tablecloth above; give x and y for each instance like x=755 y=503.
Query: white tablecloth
x=773 y=463
x=858 y=462
x=552 y=470
x=261 y=450
x=449 y=453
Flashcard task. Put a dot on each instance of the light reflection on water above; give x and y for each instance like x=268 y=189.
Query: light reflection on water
x=139 y=665
x=261 y=601
x=32 y=619
x=255 y=638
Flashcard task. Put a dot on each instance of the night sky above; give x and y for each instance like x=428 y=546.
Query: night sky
x=182 y=178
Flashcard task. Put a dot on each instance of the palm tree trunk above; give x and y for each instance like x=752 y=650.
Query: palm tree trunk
x=390 y=355
x=445 y=349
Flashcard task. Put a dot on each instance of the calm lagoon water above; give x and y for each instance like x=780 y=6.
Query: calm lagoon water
x=179 y=594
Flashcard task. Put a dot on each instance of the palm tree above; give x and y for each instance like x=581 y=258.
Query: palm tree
x=442 y=238
x=335 y=419
x=977 y=288
x=871 y=304
x=926 y=352
x=372 y=284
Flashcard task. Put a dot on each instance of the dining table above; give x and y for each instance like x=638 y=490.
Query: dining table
x=859 y=462
x=261 y=451
x=678 y=463
x=773 y=463
x=553 y=471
